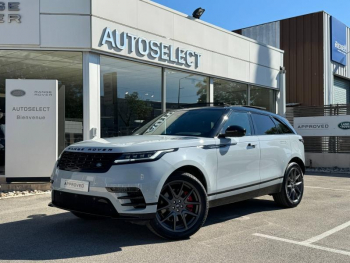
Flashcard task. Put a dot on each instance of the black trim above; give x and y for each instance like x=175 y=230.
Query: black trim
x=138 y=204
x=276 y=188
x=28 y=179
x=127 y=217
x=242 y=187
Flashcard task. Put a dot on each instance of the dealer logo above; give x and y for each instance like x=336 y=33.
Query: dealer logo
x=345 y=125
x=18 y=93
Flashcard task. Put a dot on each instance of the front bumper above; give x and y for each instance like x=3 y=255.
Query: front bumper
x=92 y=205
x=147 y=177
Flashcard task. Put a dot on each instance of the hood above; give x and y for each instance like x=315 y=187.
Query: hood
x=139 y=143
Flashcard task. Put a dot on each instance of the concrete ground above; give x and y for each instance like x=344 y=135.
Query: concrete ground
x=318 y=230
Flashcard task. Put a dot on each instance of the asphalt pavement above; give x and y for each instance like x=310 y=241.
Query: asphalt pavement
x=257 y=230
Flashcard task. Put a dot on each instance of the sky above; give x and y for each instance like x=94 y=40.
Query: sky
x=235 y=14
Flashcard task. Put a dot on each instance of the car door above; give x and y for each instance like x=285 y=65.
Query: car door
x=274 y=149
x=238 y=158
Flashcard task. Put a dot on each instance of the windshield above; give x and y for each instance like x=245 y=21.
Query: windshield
x=198 y=122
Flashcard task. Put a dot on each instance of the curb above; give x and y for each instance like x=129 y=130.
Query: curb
x=25 y=187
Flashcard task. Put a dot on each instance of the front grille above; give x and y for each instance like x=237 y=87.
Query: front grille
x=87 y=162
x=84 y=203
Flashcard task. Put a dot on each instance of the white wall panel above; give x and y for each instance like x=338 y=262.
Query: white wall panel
x=263 y=76
x=160 y=22
x=65 y=31
x=26 y=32
x=121 y=11
x=262 y=55
x=224 y=54
x=65 y=6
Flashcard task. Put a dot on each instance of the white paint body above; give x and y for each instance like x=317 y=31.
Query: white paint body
x=230 y=166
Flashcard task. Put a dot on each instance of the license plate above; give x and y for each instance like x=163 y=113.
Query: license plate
x=81 y=186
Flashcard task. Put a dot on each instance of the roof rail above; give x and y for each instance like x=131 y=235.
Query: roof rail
x=218 y=104
x=204 y=104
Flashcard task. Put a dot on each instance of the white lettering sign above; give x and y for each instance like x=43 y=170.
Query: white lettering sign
x=154 y=49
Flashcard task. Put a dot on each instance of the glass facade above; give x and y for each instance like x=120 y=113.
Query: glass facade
x=263 y=97
x=130 y=95
x=67 y=68
x=230 y=92
x=184 y=88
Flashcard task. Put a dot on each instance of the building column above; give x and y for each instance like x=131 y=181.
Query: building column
x=281 y=96
x=210 y=98
x=91 y=96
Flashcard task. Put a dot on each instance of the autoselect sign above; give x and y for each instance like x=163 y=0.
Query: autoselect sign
x=338 y=41
x=149 y=48
x=323 y=126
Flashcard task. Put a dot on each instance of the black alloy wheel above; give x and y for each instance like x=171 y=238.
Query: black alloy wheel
x=182 y=207
x=293 y=187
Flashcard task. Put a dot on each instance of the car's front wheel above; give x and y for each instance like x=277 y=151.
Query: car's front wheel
x=182 y=207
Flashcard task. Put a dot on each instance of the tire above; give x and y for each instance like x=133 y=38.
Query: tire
x=292 y=187
x=86 y=216
x=182 y=207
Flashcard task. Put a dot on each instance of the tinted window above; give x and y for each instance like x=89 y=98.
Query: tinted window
x=185 y=123
x=264 y=125
x=282 y=127
x=239 y=119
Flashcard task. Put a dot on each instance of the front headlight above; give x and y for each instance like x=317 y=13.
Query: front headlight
x=142 y=156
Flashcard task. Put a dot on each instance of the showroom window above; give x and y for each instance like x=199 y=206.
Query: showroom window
x=67 y=68
x=230 y=92
x=184 y=89
x=263 y=97
x=130 y=95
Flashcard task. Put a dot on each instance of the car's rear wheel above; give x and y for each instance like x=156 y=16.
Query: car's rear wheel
x=292 y=188
x=182 y=207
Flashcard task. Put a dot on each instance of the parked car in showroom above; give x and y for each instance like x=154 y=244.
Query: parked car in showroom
x=175 y=167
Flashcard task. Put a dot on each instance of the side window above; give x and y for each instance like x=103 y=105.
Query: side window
x=264 y=125
x=282 y=127
x=239 y=119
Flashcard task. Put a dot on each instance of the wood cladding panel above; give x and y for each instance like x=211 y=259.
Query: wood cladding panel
x=302 y=41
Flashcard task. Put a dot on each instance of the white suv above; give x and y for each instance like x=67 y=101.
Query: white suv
x=174 y=168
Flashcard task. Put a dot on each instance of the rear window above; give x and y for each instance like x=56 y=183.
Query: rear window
x=282 y=127
x=264 y=125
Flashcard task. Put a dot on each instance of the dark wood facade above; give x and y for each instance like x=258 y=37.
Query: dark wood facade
x=302 y=40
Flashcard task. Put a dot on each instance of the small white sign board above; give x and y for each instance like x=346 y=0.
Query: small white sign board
x=31 y=128
x=323 y=125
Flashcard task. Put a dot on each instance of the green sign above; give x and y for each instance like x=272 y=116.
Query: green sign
x=345 y=125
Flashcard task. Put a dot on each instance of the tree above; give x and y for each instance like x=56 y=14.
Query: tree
x=132 y=108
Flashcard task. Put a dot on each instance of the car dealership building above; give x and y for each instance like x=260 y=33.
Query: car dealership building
x=118 y=64
x=317 y=67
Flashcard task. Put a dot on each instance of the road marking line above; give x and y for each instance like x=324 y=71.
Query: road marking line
x=342 y=252
x=326 y=234
x=315 y=187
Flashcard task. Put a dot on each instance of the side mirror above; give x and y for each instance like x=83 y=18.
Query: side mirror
x=233 y=131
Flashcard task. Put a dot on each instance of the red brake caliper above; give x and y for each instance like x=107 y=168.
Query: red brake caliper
x=189 y=199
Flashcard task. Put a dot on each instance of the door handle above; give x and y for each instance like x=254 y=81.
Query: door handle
x=251 y=145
